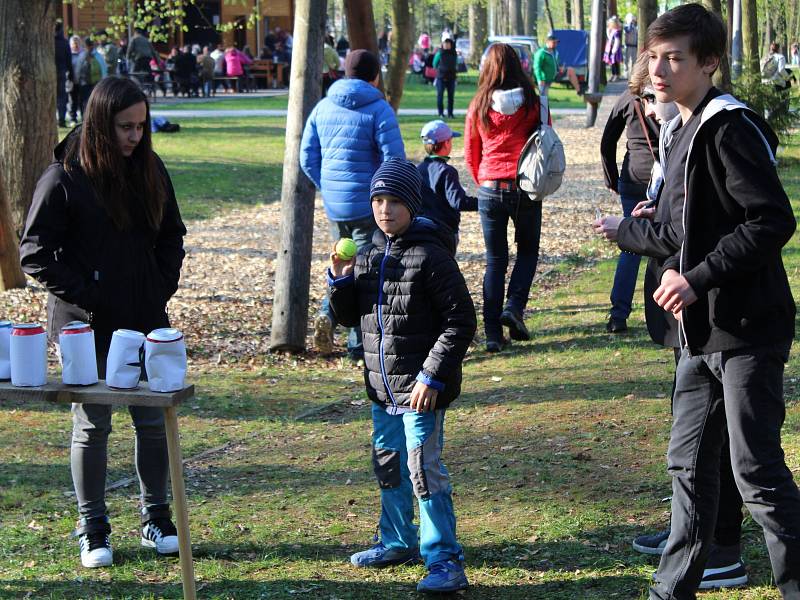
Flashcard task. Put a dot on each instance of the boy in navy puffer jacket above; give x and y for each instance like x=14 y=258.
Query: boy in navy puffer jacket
x=418 y=320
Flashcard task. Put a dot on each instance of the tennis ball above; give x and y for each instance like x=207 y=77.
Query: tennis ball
x=346 y=248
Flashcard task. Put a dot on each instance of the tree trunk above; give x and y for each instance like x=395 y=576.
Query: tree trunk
x=722 y=76
x=593 y=95
x=515 y=17
x=27 y=118
x=577 y=14
x=736 y=39
x=567 y=13
x=401 y=50
x=477 y=32
x=549 y=15
x=648 y=11
x=750 y=37
x=532 y=17
x=11 y=275
x=611 y=5
x=293 y=273
x=361 y=25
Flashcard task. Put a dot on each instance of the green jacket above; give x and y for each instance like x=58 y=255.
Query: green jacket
x=545 y=65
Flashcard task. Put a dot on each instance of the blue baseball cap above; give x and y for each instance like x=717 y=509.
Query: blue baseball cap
x=437 y=131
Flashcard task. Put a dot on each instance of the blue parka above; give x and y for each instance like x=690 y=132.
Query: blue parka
x=346 y=138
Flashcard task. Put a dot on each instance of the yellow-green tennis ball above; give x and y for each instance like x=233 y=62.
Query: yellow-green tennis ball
x=346 y=248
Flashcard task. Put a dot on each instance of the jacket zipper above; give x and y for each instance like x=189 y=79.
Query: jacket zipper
x=380 y=325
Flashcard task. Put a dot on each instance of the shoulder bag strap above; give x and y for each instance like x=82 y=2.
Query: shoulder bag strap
x=638 y=110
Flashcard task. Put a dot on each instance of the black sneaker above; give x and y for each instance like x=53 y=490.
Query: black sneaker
x=616 y=325
x=161 y=534
x=724 y=568
x=652 y=543
x=516 y=326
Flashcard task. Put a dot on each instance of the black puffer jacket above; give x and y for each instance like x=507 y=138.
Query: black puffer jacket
x=115 y=279
x=417 y=317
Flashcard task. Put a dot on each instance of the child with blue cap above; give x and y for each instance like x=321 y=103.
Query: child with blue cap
x=443 y=198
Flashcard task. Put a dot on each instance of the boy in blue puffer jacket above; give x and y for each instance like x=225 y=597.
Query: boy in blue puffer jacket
x=346 y=138
x=418 y=320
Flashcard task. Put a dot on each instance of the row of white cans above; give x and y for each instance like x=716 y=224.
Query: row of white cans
x=23 y=356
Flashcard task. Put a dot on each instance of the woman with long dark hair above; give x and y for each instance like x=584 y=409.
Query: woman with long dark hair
x=105 y=236
x=500 y=119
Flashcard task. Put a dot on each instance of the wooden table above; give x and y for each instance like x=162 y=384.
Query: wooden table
x=57 y=392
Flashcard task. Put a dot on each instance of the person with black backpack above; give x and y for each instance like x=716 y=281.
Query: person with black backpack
x=445 y=62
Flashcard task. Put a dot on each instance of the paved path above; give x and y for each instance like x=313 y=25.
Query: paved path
x=278 y=112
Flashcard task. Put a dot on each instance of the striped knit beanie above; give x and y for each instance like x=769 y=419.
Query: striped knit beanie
x=398 y=177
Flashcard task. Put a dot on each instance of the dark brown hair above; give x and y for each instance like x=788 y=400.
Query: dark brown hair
x=706 y=31
x=123 y=185
x=501 y=70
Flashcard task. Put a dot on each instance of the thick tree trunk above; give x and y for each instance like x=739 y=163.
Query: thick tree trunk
x=293 y=273
x=27 y=118
x=750 y=37
x=648 y=11
x=11 y=275
x=477 y=32
x=401 y=50
x=567 y=13
x=611 y=6
x=532 y=17
x=593 y=95
x=577 y=14
x=722 y=76
x=361 y=25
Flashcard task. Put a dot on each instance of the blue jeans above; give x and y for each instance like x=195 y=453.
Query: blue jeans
x=406 y=457
x=61 y=98
x=441 y=86
x=495 y=208
x=630 y=194
x=361 y=232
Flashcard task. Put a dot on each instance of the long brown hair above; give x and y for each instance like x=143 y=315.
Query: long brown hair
x=124 y=186
x=502 y=70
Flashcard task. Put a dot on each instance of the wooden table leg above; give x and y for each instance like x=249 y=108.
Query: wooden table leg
x=179 y=499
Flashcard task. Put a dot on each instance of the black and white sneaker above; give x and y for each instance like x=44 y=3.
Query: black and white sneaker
x=724 y=568
x=95 y=549
x=652 y=543
x=160 y=534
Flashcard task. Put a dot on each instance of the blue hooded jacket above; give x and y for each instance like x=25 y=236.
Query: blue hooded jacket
x=346 y=138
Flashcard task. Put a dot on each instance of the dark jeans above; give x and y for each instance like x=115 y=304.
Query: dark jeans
x=74 y=102
x=61 y=99
x=496 y=208
x=361 y=233
x=91 y=425
x=630 y=194
x=86 y=91
x=441 y=86
x=742 y=390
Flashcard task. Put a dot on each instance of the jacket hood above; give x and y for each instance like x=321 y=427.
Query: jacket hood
x=421 y=230
x=353 y=93
x=507 y=102
x=61 y=148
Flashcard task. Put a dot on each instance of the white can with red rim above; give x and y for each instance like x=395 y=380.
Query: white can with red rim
x=77 y=354
x=5 y=349
x=165 y=360
x=124 y=363
x=28 y=350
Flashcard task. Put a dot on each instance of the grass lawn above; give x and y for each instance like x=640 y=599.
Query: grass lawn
x=556 y=449
x=415 y=95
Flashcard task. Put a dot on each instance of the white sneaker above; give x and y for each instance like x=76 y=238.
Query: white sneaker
x=95 y=550
x=161 y=535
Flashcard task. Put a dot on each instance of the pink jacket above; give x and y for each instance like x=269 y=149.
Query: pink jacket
x=234 y=61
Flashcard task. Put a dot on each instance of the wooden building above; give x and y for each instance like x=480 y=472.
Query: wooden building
x=202 y=18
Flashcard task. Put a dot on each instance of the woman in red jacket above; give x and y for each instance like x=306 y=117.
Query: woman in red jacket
x=501 y=117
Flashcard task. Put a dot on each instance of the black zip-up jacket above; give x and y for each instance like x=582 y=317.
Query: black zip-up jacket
x=63 y=58
x=416 y=314
x=93 y=271
x=735 y=219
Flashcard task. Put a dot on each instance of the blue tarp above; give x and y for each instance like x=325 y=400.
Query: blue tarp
x=573 y=47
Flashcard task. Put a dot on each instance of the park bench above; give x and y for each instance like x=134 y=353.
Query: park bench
x=224 y=78
x=57 y=392
x=270 y=71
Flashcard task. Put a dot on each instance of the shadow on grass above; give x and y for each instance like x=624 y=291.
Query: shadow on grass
x=609 y=586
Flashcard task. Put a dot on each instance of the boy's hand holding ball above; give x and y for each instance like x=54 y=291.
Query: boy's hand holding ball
x=343 y=257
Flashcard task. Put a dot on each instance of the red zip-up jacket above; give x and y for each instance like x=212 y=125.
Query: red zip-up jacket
x=494 y=154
